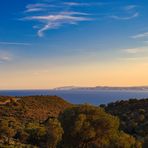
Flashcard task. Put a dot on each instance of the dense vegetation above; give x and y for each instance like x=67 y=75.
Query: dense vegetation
x=87 y=126
x=51 y=122
x=133 y=115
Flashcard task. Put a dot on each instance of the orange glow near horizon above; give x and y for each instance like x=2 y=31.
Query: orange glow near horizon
x=115 y=74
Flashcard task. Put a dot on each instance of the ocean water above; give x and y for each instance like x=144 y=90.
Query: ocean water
x=95 y=97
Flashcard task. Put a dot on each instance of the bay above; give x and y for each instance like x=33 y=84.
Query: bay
x=94 y=97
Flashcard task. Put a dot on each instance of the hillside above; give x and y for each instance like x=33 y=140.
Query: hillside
x=32 y=107
x=21 y=117
x=41 y=107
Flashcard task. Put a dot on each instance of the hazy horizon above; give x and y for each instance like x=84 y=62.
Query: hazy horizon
x=52 y=43
x=64 y=87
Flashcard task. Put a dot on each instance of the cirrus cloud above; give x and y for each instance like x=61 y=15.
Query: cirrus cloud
x=135 y=50
x=54 y=15
x=5 y=56
x=57 y=20
x=125 y=17
x=141 y=35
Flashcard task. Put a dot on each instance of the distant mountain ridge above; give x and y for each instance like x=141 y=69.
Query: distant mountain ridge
x=144 y=88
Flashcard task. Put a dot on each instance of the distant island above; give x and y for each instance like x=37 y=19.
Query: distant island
x=144 y=88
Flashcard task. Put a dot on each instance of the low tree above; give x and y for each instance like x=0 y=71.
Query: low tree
x=123 y=140
x=88 y=126
x=22 y=136
x=37 y=133
x=145 y=144
x=8 y=128
x=54 y=133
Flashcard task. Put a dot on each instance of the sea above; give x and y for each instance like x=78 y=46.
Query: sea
x=95 y=97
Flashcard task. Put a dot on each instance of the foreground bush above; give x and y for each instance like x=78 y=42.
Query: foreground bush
x=87 y=126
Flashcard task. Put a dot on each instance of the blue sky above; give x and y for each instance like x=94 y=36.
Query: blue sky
x=49 y=43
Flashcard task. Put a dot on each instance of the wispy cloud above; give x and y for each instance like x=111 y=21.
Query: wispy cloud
x=127 y=12
x=55 y=14
x=37 y=7
x=142 y=35
x=146 y=42
x=134 y=59
x=76 y=4
x=130 y=7
x=14 y=43
x=55 y=21
x=136 y=50
x=84 y=4
x=135 y=54
x=125 y=17
x=5 y=56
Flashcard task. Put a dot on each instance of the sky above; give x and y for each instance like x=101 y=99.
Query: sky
x=53 y=43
